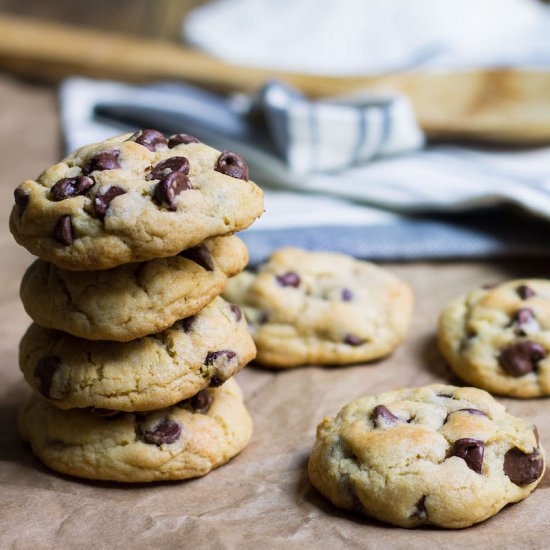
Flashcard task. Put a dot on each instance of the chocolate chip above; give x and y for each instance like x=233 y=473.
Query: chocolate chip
x=200 y=255
x=524 y=292
x=523 y=468
x=471 y=451
x=420 y=511
x=21 y=199
x=263 y=318
x=201 y=401
x=104 y=160
x=186 y=323
x=356 y=504
x=104 y=413
x=63 y=231
x=382 y=415
x=289 y=279
x=237 y=313
x=151 y=139
x=215 y=382
x=169 y=187
x=213 y=356
x=347 y=295
x=352 y=340
x=469 y=411
x=178 y=139
x=104 y=198
x=521 y=358
x=525 y=320
x=173 y=164
x=165 y=432
x=44 y=372
x=232 y=165
x=446 y=395
x=70 y=187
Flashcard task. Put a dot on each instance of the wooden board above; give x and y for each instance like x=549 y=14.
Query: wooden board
x=503 y=106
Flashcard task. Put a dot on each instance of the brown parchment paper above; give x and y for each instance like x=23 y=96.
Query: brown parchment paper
x=261 y=499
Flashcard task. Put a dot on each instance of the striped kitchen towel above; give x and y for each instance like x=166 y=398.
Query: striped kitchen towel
x=341 y=175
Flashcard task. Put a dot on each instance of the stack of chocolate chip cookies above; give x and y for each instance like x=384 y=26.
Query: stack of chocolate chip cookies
x=132 y=347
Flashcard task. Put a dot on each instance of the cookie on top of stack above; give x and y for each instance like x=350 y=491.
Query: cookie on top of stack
x=132 y=348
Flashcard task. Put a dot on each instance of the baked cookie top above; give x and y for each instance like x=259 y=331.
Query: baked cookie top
x=322 y=308
x=132 y=300
x=148 y=373
x=133 y=198
x=438 y=455
x=184 y=441
x=498 y=338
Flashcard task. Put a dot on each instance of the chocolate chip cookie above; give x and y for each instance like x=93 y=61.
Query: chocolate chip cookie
x=183 y=441
x=435 y=455
x=133 y=198
x=498 y=338
x=148 y=373
x=132 y=300
x=322 y=308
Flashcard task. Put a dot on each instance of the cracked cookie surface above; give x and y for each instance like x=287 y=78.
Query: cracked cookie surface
x=434 y=455
x=133 y=300
x=498 y=338
x=133 y=198
x=322 y=308
x=183 y=441
x=144 y=374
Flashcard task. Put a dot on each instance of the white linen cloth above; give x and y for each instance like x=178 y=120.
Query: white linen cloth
x=354 y=37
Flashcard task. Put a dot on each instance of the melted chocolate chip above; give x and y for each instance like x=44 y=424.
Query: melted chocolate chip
x=289 y=279
x=186 y=323
x=44 y=372
x=173 y=164
x=215 y=382
x=523 y=468
x=525 y=320
x=104 y=160
x=200 y=255
x=105 y=413
x=165 y=432
x=446 y=395
x=151 y=139
x=525 y=292
x=347 y=295
x=471 y=451
x=63 y=231
x=237 y=313
x=213 y=356
x=232 y=165
x=263 y=318
x=201 y=401
x=70 y=187
x=104 y=198
x=21 y=199
x=382 y=415
x=178 y=139
x=352 y=340
x=420 y=511
x=169 y=187
x=521 y=358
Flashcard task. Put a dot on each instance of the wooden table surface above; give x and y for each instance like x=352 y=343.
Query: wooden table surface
x=262 y=499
